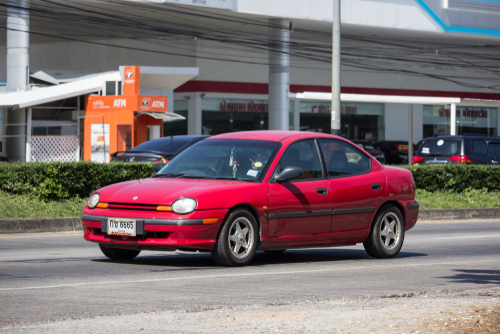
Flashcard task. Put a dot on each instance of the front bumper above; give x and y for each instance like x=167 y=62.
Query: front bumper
x=156 y=231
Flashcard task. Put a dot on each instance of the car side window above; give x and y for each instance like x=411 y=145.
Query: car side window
x=303 y=154
x=479 y=147
x=343 y=159
x=494 y=150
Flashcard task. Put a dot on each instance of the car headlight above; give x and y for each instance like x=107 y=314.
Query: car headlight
x=184 y=205
x=93 y=200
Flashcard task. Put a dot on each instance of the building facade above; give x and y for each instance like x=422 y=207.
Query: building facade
x=440 y=48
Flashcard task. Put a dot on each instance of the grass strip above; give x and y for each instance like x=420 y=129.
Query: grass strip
x=22 y=206
x=465 y=200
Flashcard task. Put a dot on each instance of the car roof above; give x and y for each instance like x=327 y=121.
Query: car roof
x=271 y=135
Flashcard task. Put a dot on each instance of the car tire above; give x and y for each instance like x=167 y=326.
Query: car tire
x=387 y=233
x=118 y=253
x=238 y=239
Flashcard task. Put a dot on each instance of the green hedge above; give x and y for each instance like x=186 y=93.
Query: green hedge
x=456 y=178
x=55 y=181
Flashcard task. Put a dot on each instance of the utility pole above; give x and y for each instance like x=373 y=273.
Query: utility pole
x=335 y=121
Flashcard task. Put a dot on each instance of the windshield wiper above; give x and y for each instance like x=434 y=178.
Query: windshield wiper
x=234 y=178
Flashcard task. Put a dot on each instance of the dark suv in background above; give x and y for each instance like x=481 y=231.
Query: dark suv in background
x=464 y=149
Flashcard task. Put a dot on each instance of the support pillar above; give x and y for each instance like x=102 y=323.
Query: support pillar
x=296 y=115
x=410 y=134
x=279 y=77
x=194 y=114
x=336 y=113
x=17 y=74
x=4 y=133
x=453 y=119
x=29 y=117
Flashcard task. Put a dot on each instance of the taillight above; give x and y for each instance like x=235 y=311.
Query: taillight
x=463 y=159
x=417 y=159
x=165 y=161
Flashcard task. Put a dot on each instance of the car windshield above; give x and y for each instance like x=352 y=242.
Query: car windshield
x=237 y=159
x=164 y=145
x=441 y=147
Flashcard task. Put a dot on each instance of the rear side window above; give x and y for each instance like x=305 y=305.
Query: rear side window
x=441 y=147
x=343 y=159
x=479 y=147
x=494 y=150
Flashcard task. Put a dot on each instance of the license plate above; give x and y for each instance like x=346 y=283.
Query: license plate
x=124 y=227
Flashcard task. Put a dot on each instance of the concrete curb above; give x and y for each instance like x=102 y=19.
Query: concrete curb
x=37 y=225
x=40 y=225
x=459 y=214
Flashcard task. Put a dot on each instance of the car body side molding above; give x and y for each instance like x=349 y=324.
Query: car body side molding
x=353 y=210
x=298 y=214
x=318 y=213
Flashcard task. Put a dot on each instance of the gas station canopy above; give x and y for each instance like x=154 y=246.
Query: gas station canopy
x=151 y=78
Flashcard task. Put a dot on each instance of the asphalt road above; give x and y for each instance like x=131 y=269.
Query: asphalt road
x=55 y=277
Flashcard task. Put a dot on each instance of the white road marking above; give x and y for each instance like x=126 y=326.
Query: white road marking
x=245 y=274
x=470 y=237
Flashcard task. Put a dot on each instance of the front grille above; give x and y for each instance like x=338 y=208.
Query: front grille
x=148 y=235
x=129 y=206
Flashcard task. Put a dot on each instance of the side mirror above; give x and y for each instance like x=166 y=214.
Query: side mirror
x=289 y=173
x=158 y=166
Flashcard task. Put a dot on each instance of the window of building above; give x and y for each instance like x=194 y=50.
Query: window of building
x=343 y=159
x=232 y=115
x=303 y=154
x=478 y=120
x=179 y=127
x=358 y=120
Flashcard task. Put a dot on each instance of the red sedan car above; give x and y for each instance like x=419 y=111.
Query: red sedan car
x=238 y=193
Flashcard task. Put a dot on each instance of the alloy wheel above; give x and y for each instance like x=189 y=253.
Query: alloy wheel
x=390 y=231
x=240 y=238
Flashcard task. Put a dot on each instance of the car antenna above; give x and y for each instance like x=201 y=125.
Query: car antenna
x=138 y=172
x=171 y=137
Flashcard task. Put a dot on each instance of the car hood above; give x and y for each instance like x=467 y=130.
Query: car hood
x=163 y=191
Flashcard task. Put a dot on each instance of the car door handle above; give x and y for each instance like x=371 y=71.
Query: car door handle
x=376 y=187
x=322 y=191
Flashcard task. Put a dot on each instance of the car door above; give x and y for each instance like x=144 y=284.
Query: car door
x=494 y=152
x=300 y=210
x=357 y=188
x=479 y=152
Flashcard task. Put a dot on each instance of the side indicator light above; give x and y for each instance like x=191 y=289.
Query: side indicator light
x=210 y=221
x=166 y=208
x=102 y=205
